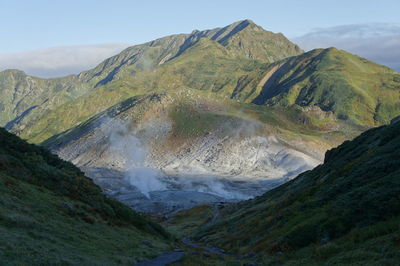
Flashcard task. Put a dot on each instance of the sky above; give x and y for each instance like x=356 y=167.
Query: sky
x=55 y=38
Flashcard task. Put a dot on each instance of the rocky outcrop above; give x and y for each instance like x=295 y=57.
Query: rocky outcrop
x=136 y=155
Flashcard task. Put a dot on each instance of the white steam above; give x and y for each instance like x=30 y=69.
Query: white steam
x=235 y=165
x=130 y=153
x=126 y=146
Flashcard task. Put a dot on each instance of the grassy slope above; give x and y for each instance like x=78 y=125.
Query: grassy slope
x=227 y=62
x=195 y=113
x=19 y=92
x=22 y=92
x=344 y=211
x=350 y=86
x=51 y=212
x=242 y=39
x=205 y=66
x=186 y=222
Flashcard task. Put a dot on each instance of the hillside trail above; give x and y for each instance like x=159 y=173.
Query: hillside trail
x=188 y=242
x=175 y=256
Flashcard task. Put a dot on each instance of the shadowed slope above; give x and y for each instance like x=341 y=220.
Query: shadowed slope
x=348 y=203
x=51 y=213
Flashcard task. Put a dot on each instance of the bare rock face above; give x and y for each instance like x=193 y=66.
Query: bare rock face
x=134 y=154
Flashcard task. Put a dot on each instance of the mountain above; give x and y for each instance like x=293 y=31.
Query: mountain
x=352 y=87
x=345 y=211
x=28 y=100
x=241 y=61
x=239 y=105
x=23 y=95
x=213 y=116
x=189 y=140
x=242 y=39
x=50 y=213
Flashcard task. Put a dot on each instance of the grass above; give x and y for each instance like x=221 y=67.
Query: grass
x=51 y=213
x=194 y=114
x=348 y=203
x=353 y=88
x=350 y=87
x=189 y=122
x=36 y=227
x=188 y=221
x=374 y=245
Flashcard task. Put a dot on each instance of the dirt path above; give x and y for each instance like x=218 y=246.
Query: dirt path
x=187 y=241
x=164 y=259
x=175 y=256
x=216 y=251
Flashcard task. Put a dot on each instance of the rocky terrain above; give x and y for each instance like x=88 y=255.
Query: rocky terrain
x=137 y=153
x=226 y=113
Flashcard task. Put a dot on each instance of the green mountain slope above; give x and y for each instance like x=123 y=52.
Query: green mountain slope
x=23 y=95
x=230 y=53
x=344 y=211
x=242 y=39
x=194 y=114
x=51 y=213
x=352 y=87
x=241 y=61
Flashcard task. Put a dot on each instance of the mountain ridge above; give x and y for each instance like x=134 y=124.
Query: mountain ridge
x=240 y=61
x=53 y=93
x=331 y=78
x=178 y=43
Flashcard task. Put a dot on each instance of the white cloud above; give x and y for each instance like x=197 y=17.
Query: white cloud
x=378 y=42
x=59 y=61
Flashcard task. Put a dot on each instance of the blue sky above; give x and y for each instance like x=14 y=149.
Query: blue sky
x=37 y=24
x=30 y=25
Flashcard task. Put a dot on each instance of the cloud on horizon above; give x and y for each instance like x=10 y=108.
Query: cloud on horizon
x=378 y=42
x=60 y=61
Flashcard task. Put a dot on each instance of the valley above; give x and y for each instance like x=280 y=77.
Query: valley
x=150 y=154
x=230 y=144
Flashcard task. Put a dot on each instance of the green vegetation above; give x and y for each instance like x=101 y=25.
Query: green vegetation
x=191 y=122
x=344 y=211
x=241 y=61
x=23 y=95
x=51 y=213
x=188 y=221
x=211 y=59
x=352 y=87
x=196 y=113
x=205 y=66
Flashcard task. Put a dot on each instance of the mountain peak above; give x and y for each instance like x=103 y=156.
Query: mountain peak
x=248 y=21
x=245 y=22
x=245 y=38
